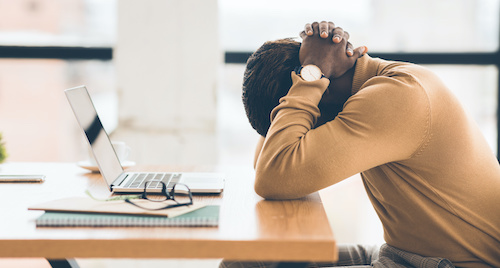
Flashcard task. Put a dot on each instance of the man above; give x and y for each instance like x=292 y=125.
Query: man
x=428 y=171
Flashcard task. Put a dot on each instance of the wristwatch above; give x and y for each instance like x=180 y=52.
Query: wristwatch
x=309 y=72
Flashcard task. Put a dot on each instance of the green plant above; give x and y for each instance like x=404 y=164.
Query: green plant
x=3 y=151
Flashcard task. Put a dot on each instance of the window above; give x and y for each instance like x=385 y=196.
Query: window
x=35 y=118
x=58 y=23
x=383 y=25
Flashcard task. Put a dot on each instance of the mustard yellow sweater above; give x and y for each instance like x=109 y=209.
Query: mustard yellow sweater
x=429 y=173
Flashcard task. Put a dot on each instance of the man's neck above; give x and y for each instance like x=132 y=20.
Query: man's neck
x=339 y=90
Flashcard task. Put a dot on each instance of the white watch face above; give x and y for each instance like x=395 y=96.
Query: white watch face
x=311 y=73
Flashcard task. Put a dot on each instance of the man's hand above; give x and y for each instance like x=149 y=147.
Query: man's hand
x=327 y=47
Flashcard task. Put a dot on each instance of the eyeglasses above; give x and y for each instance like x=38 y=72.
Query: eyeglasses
x=163 y=196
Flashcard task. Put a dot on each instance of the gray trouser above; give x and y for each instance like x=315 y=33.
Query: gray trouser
x=360 y=256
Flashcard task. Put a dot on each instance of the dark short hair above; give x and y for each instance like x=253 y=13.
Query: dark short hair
x=267 y=78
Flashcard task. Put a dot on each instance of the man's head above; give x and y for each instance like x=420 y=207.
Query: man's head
x=267 y=79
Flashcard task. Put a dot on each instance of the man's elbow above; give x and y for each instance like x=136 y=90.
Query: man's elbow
x=276 y=190
x=277 y=181
x=265 y=192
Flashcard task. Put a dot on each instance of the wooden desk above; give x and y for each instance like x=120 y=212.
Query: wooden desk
x=250 y=228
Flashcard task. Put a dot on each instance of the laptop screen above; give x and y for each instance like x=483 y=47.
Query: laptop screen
x=98 y=139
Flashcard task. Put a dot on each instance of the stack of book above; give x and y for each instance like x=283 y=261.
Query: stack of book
x=85 y=212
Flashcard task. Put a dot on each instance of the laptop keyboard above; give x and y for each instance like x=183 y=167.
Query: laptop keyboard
x=139 y=179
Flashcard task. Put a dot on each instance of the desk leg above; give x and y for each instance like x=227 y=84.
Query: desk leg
x=291 y=265
x=63 y=263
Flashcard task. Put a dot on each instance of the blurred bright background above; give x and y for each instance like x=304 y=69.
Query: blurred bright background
x=38 y=124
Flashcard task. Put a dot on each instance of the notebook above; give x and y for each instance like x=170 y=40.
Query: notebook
x=110 y=167
x=207 y=216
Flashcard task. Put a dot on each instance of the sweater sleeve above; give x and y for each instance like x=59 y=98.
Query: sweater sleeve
x=386 y=121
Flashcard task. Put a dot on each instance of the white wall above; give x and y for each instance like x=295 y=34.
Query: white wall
x=166 y=56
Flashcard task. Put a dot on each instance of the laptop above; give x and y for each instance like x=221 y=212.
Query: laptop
x=110 y=167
